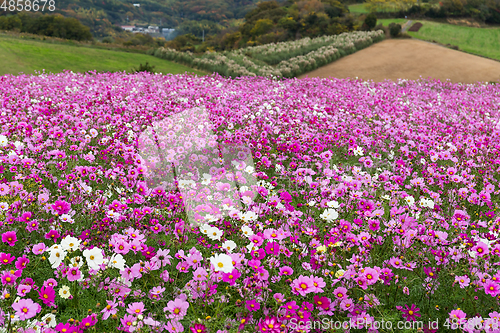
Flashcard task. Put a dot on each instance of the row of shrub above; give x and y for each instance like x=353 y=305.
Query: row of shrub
x=260 y=61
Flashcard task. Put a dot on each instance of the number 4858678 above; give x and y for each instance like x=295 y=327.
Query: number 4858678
x=28 y=5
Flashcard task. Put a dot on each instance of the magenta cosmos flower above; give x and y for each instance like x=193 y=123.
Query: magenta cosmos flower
x=6 y=258
x=9 y=237
x=409 y=313
x=26 y=309
x=252 y=305
x=270 y=325
x=492 y=288
x=47 y=295
x=198 y=328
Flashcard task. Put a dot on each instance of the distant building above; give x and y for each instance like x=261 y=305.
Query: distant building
x=137 y=5
x=153 y=29
x=128 y=27
x=167 y=33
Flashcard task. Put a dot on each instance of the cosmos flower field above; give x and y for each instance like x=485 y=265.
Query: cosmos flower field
x=153 y=203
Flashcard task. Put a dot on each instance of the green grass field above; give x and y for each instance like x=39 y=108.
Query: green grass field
x=480 y=41
x=26 y=56
x=359 y=8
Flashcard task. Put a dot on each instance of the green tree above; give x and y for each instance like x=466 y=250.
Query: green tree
x=261 y=27
x=371 y=20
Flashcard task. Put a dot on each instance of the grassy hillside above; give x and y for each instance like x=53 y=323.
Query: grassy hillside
x=480 y=41
x=17 y=55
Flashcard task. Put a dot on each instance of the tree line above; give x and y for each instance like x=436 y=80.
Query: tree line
x=52 y=25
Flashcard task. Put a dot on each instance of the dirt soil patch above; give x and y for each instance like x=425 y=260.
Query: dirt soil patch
x=415 y=27
x=410 y=59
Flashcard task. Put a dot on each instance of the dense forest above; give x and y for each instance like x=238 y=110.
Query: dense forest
x=104 y=17
x=272 y=21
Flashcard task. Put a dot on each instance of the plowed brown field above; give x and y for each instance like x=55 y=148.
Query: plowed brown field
x=411 y=59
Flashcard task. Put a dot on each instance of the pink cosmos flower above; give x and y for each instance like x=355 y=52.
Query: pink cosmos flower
x=88 y=321
x=340 y=292
x=200 y=274
x=463 y=280
x=67 y=328
x=269 y=325
x=127 y=321
x=121 y=247
x=6 y=258
x=61 y=207
x=156 y=293
x=346 y=304
x=252 y=305
x=9 y=237
x=491 y=288
x=26 y=309
x=109 y=309
x=317 y=283
x=177 y=308
x=322 y=302
x=458 y=316
x=73 y=274
x=409 y=313
x=22 y=262
x=371 y=276
x=8 y=278
x=47 y=295
x=273 y=248
x=163 y=257
x=23 y=289
x=231 y=277
x=481 y=249
x=198 y=328
x=285 y=270
x=303 y=285
x=39 y=248
x=50 y=283
x=135 y=308
x=174 y=326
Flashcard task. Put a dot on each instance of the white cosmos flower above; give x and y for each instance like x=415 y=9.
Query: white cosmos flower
x=117 y=261
x=214 y=233
x=70 y=243
x=3 y=140
x=204 y=229
x=64 y=292
x=76 y=261
x=329 y=214
x=4 y=206
x=94 y=258
x=66 y=218
x=247 y=231
x=410 y=200
x=229 y=245
x=333 y=204
x=222 y=263
x=49 y=320
x=56 y=257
